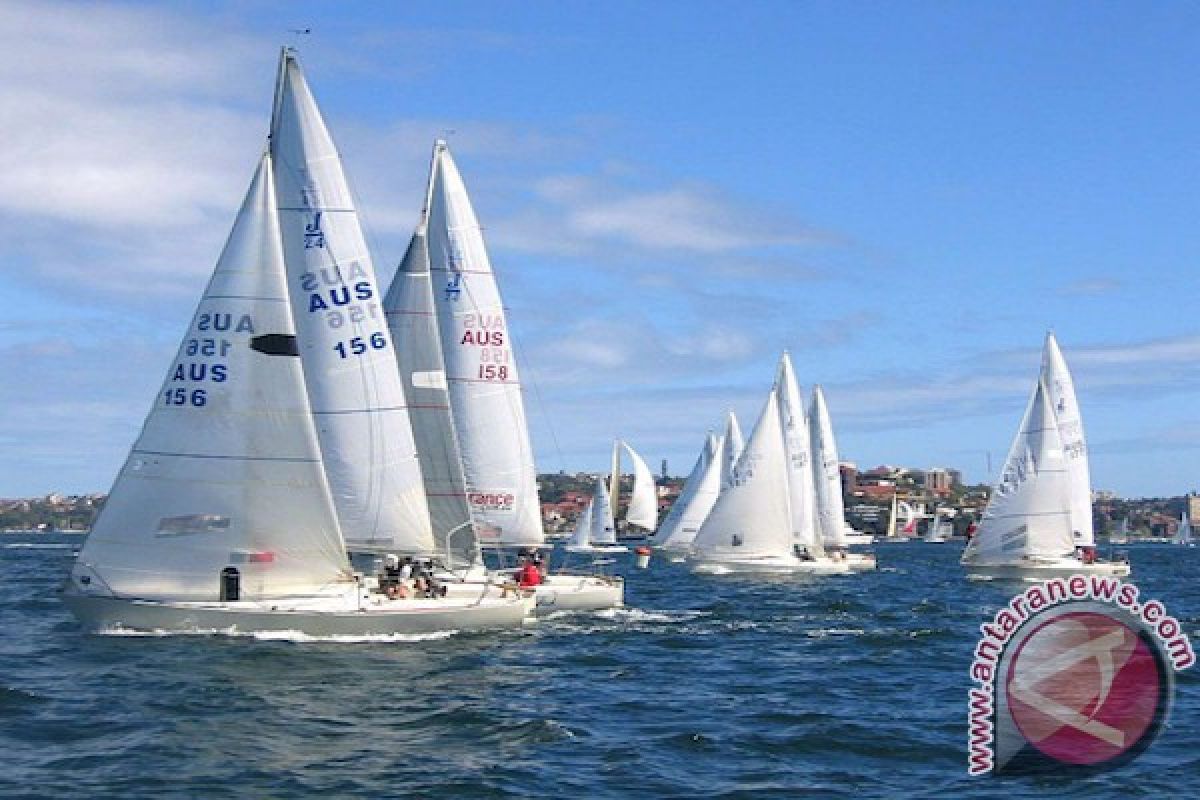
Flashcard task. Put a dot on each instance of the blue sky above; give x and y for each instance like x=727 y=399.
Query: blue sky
x=906 y=196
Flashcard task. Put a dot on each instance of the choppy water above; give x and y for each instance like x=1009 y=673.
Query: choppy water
x=709 y=687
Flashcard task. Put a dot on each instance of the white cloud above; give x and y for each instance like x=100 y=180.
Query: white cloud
x=1091 y=287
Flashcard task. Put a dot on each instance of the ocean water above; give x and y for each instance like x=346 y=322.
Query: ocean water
x=706 y=687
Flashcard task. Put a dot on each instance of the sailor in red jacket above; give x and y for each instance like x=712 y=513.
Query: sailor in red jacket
x=529 y=575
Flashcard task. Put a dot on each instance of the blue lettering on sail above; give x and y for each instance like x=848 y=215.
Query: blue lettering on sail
x=454 y=287
x=313 y=235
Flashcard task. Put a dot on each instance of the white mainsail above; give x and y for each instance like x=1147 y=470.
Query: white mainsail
x=752 y=518
x=227 y=470
x=602 y=515
x=354 y=388
x=831 y=513
x=734 y=444
x=643 y=503
x=798 y=446
x=1029 y=513
x=695 y=500
x=1061 y=389
x=480 y=369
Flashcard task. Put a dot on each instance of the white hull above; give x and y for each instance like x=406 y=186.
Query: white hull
x=596 y=548
x=338 y=616
x=935 y=540
x=861 y=562
x=1042 y=569
x=768 y=564
x=579 y=593
x=858 y=538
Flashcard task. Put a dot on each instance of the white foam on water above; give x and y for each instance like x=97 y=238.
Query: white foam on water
x=643 y=615
x=286 y=636
x=39 y=546
x=823 y=632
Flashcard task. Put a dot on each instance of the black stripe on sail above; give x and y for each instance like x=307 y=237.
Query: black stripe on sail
x=275 y=344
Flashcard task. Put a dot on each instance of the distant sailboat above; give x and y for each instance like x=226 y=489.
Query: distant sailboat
x=734 y=444
x=458 y=366
x=695 y=500
x=1183 y=533
x=940 y=528
x=642 y=510
x=279 y=436
x=1028 y=529
x=831 y=511
x=594 y=531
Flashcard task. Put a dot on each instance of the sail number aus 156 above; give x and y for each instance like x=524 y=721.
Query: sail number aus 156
x=358 y=345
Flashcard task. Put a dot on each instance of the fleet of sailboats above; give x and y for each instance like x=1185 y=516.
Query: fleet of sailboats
x=307 y=418
x=1034 y=525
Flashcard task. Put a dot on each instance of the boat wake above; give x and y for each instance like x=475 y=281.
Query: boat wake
x=297 y=637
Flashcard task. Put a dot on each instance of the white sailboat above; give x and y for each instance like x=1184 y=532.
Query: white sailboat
x=808 y=543
x=594 y=532
x=252 y=472
x=1027 y=529
x=695 y=500
x=1121 y=535
x=750 y=526
x=940 y=528
x=1183 y=532
x=459 y=367
x=831 y=512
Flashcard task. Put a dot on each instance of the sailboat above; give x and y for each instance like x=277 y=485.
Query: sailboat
x=594 y=531
x=940 y=528
x=642 y=511
x=1030 y=527
x=1183 y=533
x=831 y=513
x=695 y=501
x=456 y=360
x=750 y=526
x=1121 y=535
x=280 y=435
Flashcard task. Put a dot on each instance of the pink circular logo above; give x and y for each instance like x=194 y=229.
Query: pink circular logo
x=1085 y=688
